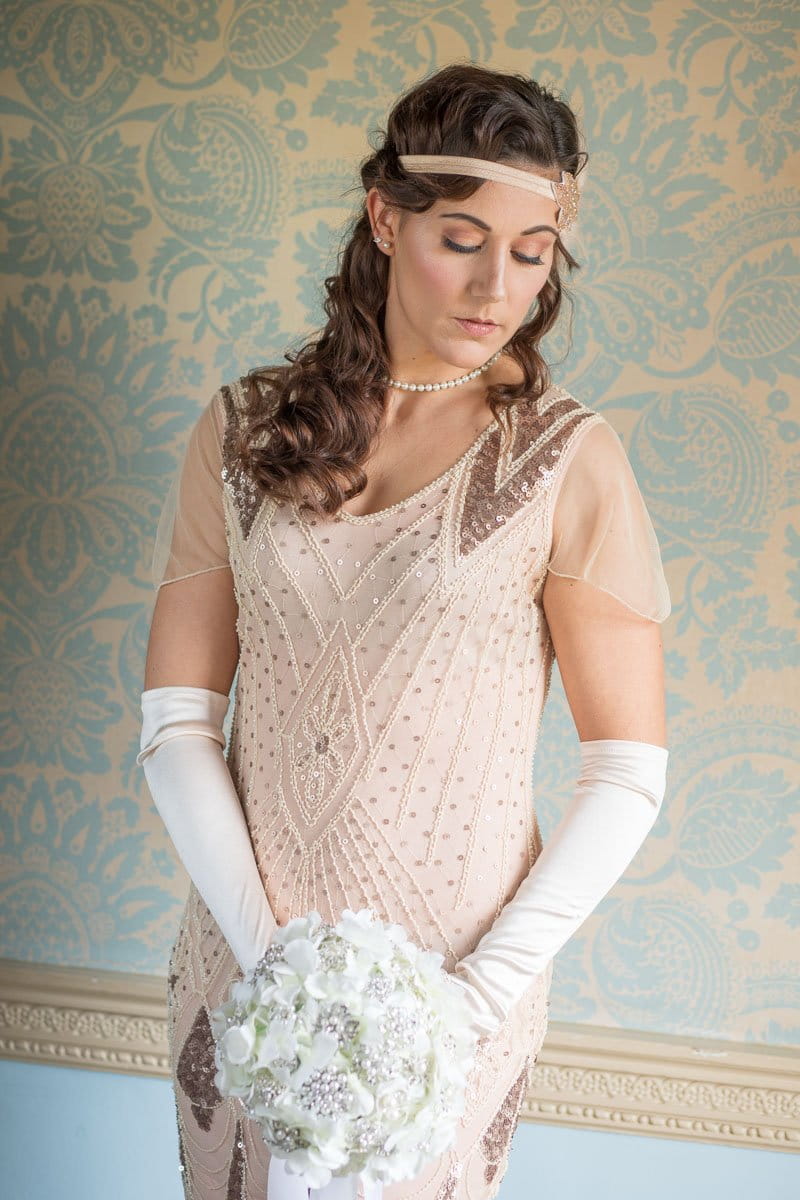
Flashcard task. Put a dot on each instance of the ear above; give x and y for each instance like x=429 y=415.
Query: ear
x=382 y=215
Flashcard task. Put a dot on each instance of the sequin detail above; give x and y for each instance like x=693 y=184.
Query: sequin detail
x=196 y=1070
x=412 y=678
x=235 y=1189
x=247 y=495
x=496 y=1141
x=447 y=1191
x=499 y=484
x=568 y=195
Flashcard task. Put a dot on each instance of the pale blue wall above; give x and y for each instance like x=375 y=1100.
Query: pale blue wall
x=90 y=1135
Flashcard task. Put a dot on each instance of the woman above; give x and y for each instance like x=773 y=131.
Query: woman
x=392 y=574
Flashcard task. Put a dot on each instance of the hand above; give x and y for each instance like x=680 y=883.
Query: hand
x=181 y=753
x=483 y=1020
x=617 y=798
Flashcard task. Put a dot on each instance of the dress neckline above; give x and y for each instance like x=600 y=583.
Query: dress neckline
x=361 y=518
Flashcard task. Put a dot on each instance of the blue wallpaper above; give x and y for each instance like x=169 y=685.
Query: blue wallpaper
x=174 y=184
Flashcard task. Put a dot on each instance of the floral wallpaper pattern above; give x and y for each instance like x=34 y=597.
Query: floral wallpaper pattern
x=174 y=184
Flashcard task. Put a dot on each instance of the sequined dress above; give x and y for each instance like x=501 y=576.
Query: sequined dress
x=392 y=676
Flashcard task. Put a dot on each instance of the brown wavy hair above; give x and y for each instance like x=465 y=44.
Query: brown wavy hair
x=308 y=427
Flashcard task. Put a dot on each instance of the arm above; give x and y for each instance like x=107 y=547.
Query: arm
x=191 y=661
x=611 y=662
x=193 y=639
x=192 y=655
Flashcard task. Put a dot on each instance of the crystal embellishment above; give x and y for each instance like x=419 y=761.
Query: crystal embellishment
x=567 y=194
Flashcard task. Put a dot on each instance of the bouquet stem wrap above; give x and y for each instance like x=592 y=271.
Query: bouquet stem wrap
x=283 y=1186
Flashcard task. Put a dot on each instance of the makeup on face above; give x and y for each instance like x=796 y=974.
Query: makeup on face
x=481 y=324
x=482 y=224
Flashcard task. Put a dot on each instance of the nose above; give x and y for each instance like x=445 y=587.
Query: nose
x=490 y=279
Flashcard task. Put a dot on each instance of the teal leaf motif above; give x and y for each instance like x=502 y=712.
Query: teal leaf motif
x=78 y=885
x=79 y=490
x=770 y=134
x=312 y=248
x=661 y=963
x=710 y=490
x=359 y=99
x=759 y=30
x=216 y=170
x=758 y=321
x=726 y=840
x=169 y=260
x=742 y=640
x=572 y=988
x=407 y=25
x=56 y=707
x=271 y=45
x=694 y=31
x=785 y=904
x=72 y=216
x=618 y=28
x=88 y=40
x=640 y=288
x=793 y=548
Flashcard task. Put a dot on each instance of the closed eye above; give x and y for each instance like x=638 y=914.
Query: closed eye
x=538 y=261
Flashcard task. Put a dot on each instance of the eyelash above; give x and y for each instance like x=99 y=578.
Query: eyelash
x=538 y=261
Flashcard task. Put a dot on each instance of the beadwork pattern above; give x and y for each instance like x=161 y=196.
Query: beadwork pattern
x=235 y=1189
x=496 y=1141
x=393 y=671
x=246 y=492
x=447 y=1191
x=196 y=1070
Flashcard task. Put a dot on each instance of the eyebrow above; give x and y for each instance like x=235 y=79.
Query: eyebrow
x=482 y=224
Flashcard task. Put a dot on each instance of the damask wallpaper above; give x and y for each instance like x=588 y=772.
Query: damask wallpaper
x=174 y=184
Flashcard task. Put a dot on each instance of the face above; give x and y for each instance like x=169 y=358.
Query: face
x=445 y=266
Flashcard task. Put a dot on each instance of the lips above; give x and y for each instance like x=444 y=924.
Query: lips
x=475 y=329
x=477 y=320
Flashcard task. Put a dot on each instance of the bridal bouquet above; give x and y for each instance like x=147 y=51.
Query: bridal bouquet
x=350 y=1048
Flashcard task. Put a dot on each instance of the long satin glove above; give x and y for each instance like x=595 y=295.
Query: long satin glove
x=182 y=745
x=617 y=798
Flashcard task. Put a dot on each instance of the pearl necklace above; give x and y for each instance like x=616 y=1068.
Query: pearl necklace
x=448 y=383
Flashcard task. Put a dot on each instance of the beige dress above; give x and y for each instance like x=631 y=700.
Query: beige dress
x=392 y=676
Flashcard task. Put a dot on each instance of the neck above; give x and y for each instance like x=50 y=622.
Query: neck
x=449 y=382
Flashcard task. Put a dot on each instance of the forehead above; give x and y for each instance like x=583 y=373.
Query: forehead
x=505 y=208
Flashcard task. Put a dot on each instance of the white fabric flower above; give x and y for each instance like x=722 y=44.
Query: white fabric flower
x=238 y=1042
x=314 y=1049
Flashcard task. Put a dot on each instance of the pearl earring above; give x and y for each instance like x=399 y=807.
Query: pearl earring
x=378 y=238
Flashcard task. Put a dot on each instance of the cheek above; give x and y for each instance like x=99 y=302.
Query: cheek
x=436 y=276
x=540 y=279
x=428 y=277
x=540 y=282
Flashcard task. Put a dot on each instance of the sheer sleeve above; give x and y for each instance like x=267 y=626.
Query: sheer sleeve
x=191 y=536
x=602 y=532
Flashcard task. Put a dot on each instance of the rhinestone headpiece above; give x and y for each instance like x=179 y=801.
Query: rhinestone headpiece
x=565 y=192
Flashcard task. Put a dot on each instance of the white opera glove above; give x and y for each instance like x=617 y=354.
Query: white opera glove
x=617 y=798
x=182 y=754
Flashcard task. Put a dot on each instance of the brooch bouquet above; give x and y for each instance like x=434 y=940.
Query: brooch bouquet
x=350 y=1047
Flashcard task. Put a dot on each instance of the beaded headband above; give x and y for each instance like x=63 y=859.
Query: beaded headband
x=566 y=193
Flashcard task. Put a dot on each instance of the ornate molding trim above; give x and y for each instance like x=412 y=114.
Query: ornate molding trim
x=77 y=1017
x=661 y=1085
x=658 y=1085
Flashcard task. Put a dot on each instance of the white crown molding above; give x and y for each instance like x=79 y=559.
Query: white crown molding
x=662 y=1085
x=658 y=1085
x=78 y=1017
